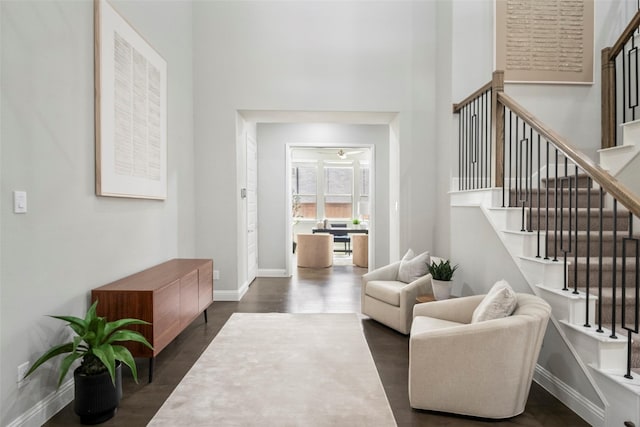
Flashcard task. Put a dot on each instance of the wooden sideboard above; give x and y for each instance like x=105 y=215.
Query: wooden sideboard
x=169 y=296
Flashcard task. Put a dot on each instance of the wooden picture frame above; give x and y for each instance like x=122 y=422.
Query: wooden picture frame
x=130 y=110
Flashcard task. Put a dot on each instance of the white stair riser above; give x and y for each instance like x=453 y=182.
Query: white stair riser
x=485 y=197
x=631 y=132
x=506 y=218
x=615 y=158
x=600 y=354
x=569 y=308
x=551 y=274
x=522 y=244
x=622 y=404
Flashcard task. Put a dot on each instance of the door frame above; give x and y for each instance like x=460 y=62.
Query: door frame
x=289 y=258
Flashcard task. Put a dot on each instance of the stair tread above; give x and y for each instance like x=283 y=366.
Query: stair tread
x=608 y=292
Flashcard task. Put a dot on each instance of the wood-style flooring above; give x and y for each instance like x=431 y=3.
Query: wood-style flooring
x=335 y=290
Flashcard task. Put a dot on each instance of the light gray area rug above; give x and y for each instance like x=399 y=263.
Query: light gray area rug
x=281 y=369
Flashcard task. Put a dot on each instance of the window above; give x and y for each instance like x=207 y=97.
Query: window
x=338 y=192
x=303 y=185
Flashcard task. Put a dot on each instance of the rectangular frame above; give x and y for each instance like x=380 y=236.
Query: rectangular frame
x=130 y=110
x=554 y=46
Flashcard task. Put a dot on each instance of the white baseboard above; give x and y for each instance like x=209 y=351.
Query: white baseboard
x=265 y=272
x=229 y=295
x=587 y=410
x=42 y=411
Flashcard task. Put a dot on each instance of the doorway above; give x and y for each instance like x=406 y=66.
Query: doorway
x=276 y=131
x=334 y=184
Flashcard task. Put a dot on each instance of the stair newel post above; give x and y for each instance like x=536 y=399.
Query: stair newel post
x=497 y=127
x=608 y=99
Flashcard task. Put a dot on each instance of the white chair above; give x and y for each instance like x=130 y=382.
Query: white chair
x=389 y=300
x=482 y=369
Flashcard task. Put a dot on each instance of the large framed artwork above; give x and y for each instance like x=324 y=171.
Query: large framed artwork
x=130 y=110
x=549 y=41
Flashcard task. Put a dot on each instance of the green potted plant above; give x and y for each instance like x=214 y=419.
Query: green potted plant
x=356 y=223
x=98 y=379
x=441 y=275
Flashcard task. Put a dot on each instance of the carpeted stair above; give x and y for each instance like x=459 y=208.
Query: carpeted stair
x=556 y=243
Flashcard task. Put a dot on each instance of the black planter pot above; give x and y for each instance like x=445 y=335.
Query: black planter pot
x=96 y=398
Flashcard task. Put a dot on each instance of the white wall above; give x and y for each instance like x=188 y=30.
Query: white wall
x=71 y=241
x=272 y=174
x=310 y=56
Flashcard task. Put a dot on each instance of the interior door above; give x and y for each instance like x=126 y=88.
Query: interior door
x=252 y=208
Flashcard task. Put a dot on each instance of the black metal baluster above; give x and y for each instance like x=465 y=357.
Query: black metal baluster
x=504 y=154
x=588 y=283
x=510 y=156
x=529 y=176
x=555 y=227
x=600 y=227
x=460 y=132
x=487 y=133
x=575 y=234
x=562 y=248
x=474 y=145
x=614 y=269
x=546 y=218
x=634 y=328
x=624 y=90
x=538 y=207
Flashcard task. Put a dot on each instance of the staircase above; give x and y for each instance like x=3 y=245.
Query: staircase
x=566 y=223
x=577 y=249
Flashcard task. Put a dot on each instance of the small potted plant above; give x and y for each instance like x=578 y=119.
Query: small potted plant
x=441 y=275
x=356 y=223
x=98 y=379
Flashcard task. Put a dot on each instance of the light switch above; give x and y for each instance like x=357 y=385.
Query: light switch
x=20 y=202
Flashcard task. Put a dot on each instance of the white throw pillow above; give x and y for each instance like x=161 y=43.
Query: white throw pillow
x=499 y=302
x=413 y=267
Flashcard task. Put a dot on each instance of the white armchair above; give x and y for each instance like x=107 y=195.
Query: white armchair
x=390 y=301
x=482 y=369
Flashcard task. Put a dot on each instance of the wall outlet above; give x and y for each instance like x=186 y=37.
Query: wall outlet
x=216 y=274
x=22 y=371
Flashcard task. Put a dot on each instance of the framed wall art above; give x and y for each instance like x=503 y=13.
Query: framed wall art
x=130 y=110
x=549 y=41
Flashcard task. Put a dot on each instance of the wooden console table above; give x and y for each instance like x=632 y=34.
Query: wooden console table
x=169 y=296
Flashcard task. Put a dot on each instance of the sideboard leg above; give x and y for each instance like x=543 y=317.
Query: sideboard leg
x=151 y=360
x=205 y=316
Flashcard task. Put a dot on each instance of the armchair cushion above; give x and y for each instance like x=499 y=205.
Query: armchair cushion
x=412 y=267
x=386 y=291
x=499 y=302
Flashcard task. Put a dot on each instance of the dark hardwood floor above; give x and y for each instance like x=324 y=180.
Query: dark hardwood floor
x=335 y=290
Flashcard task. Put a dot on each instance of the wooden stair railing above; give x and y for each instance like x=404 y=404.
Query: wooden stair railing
x=620 y=74
x=582 y=215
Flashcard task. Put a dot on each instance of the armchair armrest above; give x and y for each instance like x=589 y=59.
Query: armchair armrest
x=388 y=272
x=420 y=286
x=455 y=309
